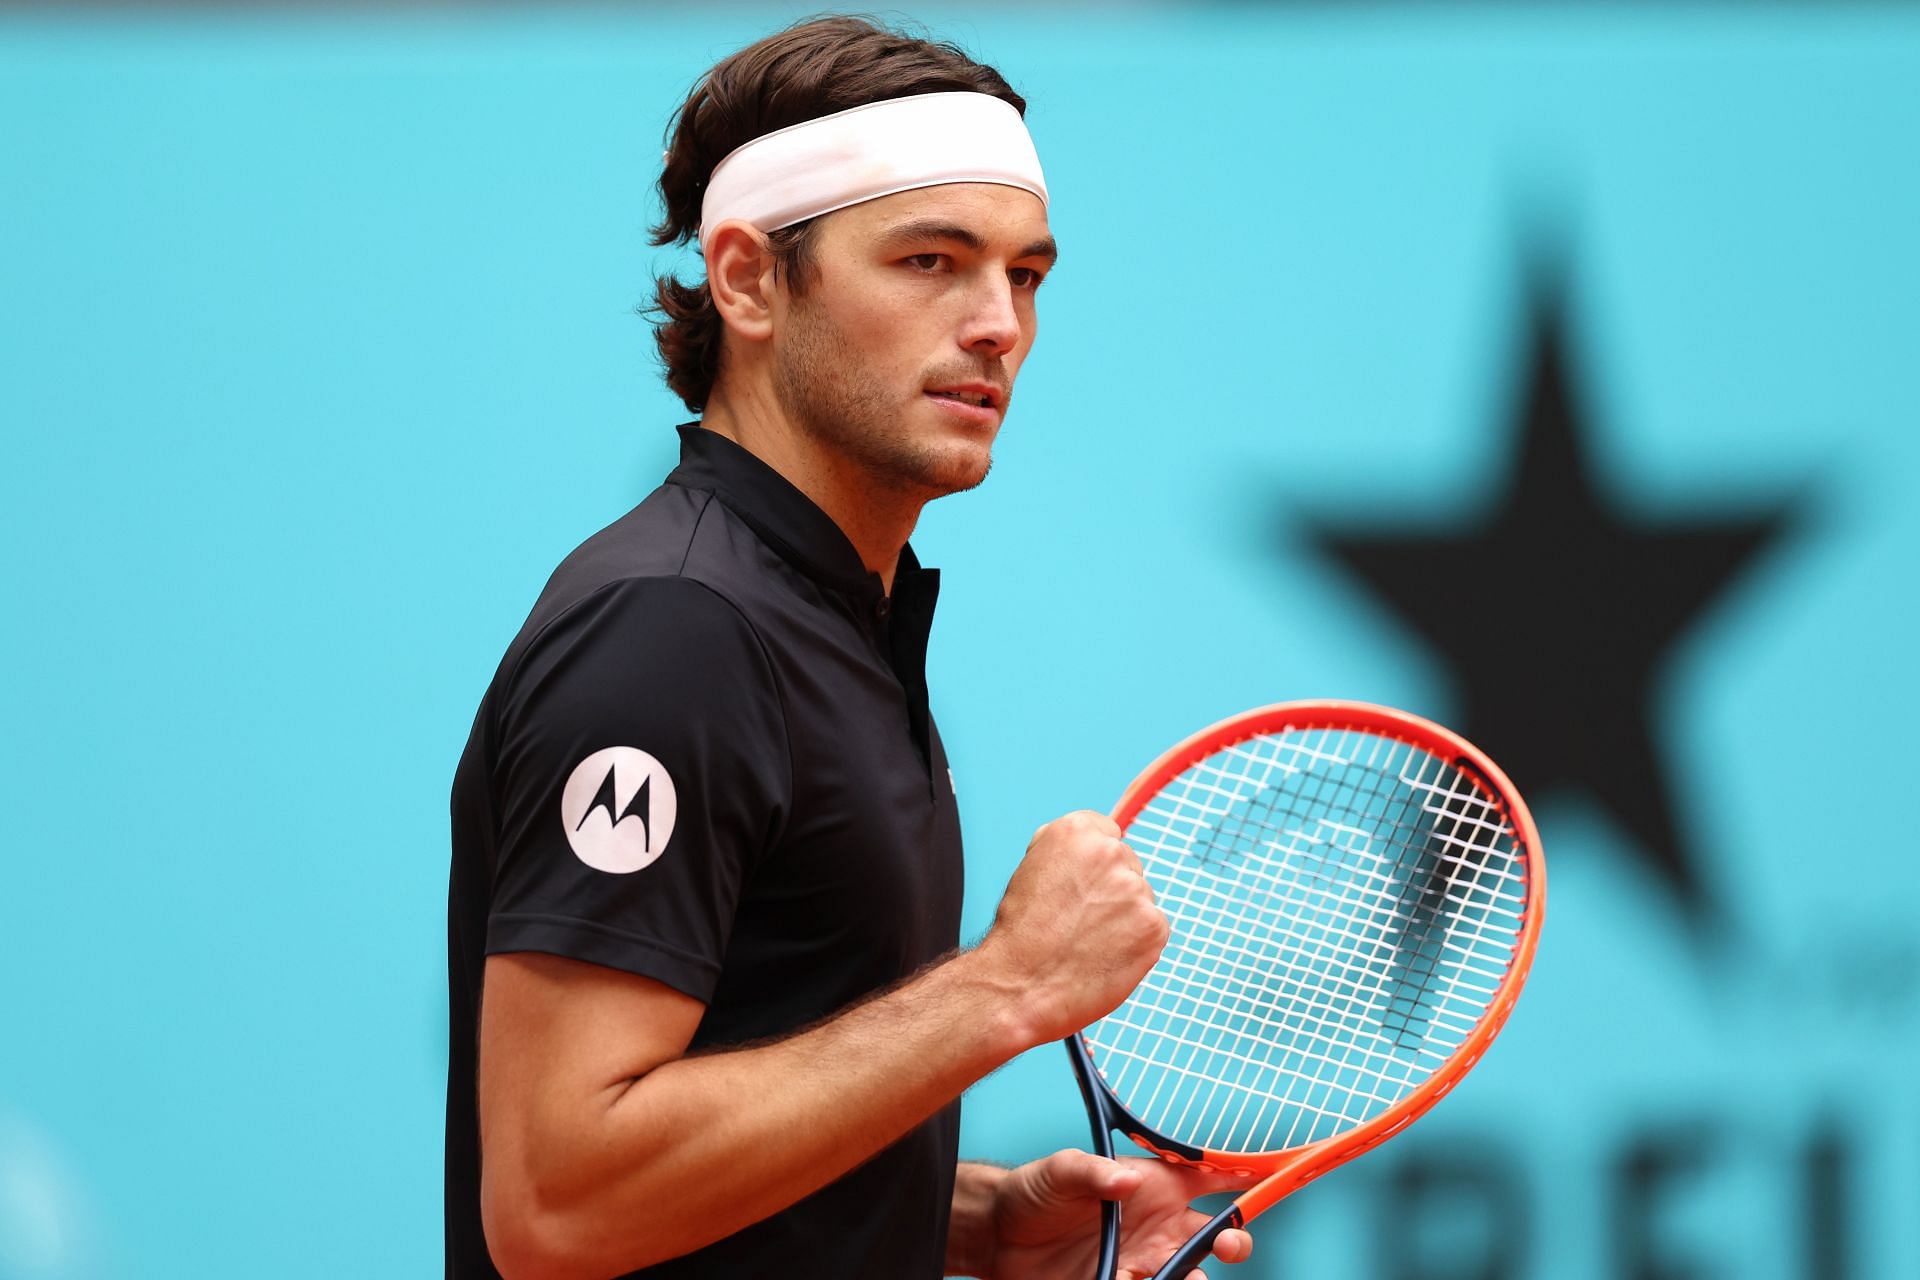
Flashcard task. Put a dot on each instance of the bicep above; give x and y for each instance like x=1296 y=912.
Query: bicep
x=560 y=1041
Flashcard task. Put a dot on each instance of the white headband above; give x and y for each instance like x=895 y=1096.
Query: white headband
x=817 y=166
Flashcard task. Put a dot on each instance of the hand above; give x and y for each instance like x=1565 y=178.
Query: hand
x=1077 y=929
x=1046 y=1216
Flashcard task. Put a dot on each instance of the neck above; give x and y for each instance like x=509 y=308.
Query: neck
x=877 y=518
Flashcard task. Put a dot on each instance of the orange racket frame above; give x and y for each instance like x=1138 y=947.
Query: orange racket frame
x=1288 y=1170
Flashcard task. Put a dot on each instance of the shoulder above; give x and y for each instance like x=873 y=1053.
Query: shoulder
x=647 y=579
x=652 y=542
x=662 y=663
x=660 y=631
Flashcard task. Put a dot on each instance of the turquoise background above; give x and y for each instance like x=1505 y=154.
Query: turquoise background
x=317 y=351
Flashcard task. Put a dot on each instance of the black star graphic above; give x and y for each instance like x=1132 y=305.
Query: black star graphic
x=1556 y=611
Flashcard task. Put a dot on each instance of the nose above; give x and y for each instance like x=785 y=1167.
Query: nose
x=993 y=325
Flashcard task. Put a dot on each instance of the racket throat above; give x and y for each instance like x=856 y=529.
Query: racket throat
x=1106 y=1116
x=1200 y=1247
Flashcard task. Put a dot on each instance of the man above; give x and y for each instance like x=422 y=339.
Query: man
x=706 y=853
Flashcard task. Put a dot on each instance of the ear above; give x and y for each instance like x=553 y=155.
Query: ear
x=740 y=279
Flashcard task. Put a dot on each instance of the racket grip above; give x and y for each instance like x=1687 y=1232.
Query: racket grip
x=1200 y=1248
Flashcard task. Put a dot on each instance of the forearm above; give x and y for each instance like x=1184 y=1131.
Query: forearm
x=701 y=1147
x=970 y=1230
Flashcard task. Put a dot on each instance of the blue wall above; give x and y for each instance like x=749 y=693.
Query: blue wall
x=317 y=351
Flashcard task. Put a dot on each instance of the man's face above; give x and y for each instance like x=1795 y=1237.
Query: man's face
x=920 y=304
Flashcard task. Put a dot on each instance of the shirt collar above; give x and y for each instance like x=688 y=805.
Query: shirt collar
x=785 y=518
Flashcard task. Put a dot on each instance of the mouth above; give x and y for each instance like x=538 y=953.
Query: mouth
x=980 y=399
x=976 y=410
x=978 y=403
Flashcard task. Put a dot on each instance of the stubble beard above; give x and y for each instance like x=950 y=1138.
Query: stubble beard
x=829 y=396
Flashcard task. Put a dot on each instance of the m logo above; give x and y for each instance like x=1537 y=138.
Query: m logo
x=618 y=808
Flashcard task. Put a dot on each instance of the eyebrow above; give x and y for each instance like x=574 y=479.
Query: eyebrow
x=922 y=229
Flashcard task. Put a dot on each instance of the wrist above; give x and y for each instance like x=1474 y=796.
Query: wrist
x=1008 y=1025
x=973 y=1238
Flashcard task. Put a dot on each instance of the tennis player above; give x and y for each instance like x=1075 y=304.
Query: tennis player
x=706 y=853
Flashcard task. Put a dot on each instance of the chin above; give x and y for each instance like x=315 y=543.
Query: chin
x=958 y=468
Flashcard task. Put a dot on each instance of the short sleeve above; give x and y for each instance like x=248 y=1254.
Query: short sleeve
x=642 y=769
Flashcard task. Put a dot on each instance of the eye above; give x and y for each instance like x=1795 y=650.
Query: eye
x=925 y=261
x=1027 y=277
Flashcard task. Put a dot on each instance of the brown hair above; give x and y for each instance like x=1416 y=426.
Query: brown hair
x=814 y=68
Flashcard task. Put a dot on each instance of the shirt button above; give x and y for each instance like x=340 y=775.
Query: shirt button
x=882 y=607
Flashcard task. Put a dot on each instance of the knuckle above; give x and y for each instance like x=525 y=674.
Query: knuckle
x=1094 y=820
x=1074 y=1163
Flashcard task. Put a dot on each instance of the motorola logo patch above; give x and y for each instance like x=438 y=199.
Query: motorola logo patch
x=618 y=809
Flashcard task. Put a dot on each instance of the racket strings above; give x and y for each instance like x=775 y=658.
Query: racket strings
x=1236 y=1072
x=1396 y=909
x=1311 y=987
x=1311 y=996
x=1344 y=908
x=1316 y=989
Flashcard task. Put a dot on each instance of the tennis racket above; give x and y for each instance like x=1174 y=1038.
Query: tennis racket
x=1355 y=896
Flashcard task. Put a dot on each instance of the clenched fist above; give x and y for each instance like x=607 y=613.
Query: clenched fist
x=1077 y=928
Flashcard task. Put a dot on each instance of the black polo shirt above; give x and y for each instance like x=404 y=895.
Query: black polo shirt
x=707 y=758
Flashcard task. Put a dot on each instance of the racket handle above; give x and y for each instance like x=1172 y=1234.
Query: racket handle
x=1200 y=1248
x=1109 y=1241
x=1100 y=1118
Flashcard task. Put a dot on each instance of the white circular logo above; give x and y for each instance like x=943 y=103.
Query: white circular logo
x=618 y=808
